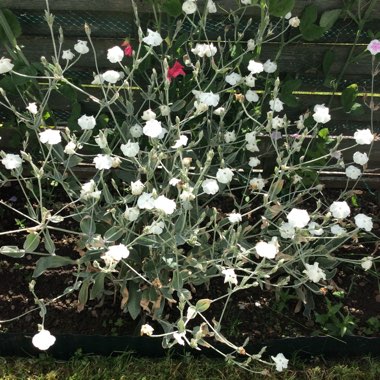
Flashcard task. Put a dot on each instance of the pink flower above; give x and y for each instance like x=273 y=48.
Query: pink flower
x=374 y=47
x=128 y=49
x=176 y=70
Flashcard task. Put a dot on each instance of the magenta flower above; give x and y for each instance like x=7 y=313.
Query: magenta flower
x=176 y=70
x=374 y=47
x=128 y=49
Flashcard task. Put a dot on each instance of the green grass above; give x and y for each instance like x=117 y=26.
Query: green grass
x=127 y=367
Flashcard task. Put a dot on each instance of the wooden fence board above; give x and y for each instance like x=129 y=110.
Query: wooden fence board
x=126 y=5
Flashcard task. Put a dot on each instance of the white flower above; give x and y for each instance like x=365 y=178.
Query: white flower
x=148 y=115
x=337 y=230
x=298 y=218
x=251 y=44
x=233 y=79
x=12 y=161
x=219 y=111
x=89 y=190
x=314 y=273
x=252 y=96
x=152 y=128
x=250 y=80
x=50 y=137
x=101 y=140
x=340 y=210
x=130 y=149
x=153 y=38
x=70 y=148
x=246 y=2
x=163 y=133
x=363 y=136
x=210 y=186
x=360 y=158
x=146 y=330
x=137 y=187
x=366 y=263
x=165 y=110
x=174 y=181
x=353 y=172
x=250 y=138
x=211 y=7
x=68 y=55
x=200 y=107
x=131 y=213
x=315 y=229
x=268 y=250
x=115 y=54
x=32 y=108
x=179 y=338
x=87 y=122
x=189 y=7
x=287 y=231
x=374 y=47
x=156 y=228
x=98 y=79
x=270 y=67
x=257 y=183
x=255 y=67
x=202 y=50
x=166 y=205
x=187 y=195
x=224 y=175
x=276 y=105
x=182 y=141
x=209 y=98
x=230 y=276
x=136 y=131
x=116 y=162
x=280 y=361
x=116 y=253
x=288 y=15
x=321 y=114
x=81 y=47
x=253 y=162
x=234 y=217
x=111 y=76
x=5 y=65
x=364 y=222
x=145 y=201
x=43 y=340
x=278 y=123
x=294 y=22
x=103 y=161
x=230 y=137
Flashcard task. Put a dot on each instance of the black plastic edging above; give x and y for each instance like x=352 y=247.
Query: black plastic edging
x=18 y=344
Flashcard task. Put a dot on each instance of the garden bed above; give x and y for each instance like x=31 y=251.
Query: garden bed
x=255 y=313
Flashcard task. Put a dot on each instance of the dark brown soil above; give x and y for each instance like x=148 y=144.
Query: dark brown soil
x=255 y=313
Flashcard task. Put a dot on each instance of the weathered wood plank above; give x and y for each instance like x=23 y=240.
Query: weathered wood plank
x=297 y=58
x=126 y=5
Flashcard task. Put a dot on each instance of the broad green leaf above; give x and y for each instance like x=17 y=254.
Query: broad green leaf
x=88 y=226
x=280 y=8
x=83 y=292
x=48 y=242
x=31 y=242
x=13 y=25
x=72 y=161
x=329 y=18
x=113 y=234
x=107 y=194
x=177 y=281
x=202 y=305
x=98 y=286
x=178 y=105
x=357 y=109
x=348 y=97
x=324 y=133
x=312 y=32
x=309 y=30
x=48 y=262
x=12 y=251
x=172 y=7
x=133 y=305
